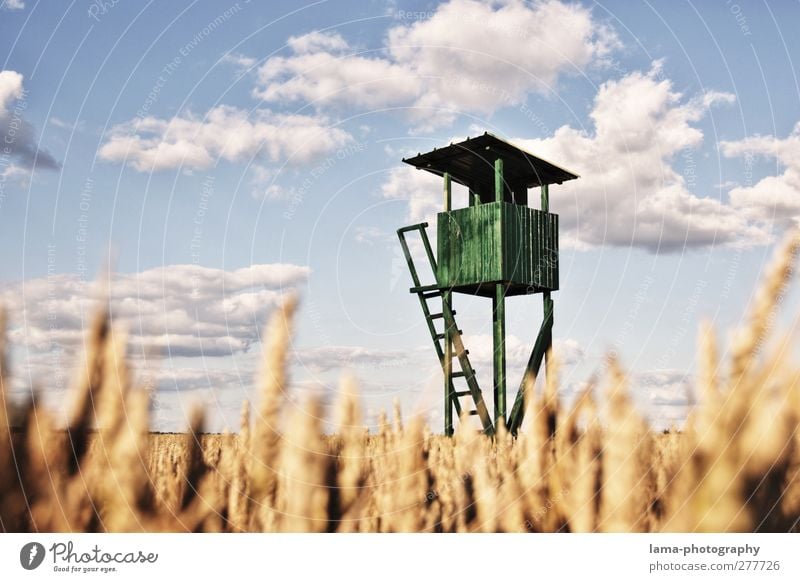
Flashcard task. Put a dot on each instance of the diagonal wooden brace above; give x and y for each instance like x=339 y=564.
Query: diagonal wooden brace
x=543 y=342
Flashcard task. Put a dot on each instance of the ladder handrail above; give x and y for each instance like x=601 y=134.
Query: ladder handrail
x=412 y=227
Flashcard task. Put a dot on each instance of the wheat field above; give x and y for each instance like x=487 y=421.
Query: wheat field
x=594 y=466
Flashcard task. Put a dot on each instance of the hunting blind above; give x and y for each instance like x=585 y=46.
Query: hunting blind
x=496 y=247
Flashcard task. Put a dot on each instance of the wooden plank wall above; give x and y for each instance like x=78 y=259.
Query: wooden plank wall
x=498 y=242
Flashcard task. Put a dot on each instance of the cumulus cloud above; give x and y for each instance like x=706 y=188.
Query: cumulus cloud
x=238 y=60
x=422 y=191
x=66 y=125
x=20 y=152
x=184 y=378
x=325 y=358
x=317 y=41
x=372 y=235
x=774 y=198
x=481 y=350
x=14 y=173
x=330 y=78
x=10 y=90
x=228 y=133
x=637 y=167
x=468 y=56
x=184 y=323
x=174 y=311
x=664 y=396
x=13 y=5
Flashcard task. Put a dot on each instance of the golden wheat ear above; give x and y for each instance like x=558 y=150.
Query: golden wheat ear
x=85 y=389
x=265 y=436
x=3 y=368
x=304 y=463
x=625 y=459
x=748 y=341
x=4 y=403
x=196 y=467
x=350 y=479
x=7 y=483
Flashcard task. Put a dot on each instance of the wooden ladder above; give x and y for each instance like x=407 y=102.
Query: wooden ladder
x=448 y=343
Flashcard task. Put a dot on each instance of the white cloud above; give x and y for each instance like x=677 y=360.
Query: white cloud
x=264 y=184
x=240 y=61
x=13 y=5
x=664 y=396
x=477 y=56
x=481 y=350
x=372 y=235
x=18 y=174
x=326 y=78
x=18 y=136
x=635 y=171
x=179 y=310
x=66 y=125
x=184 y=324
x=316 y=41
x=422 y=193
x=638 y=169
x=568 y=351
x=183 y=378
x=421 y=189
x=153 y=144
x=774 y=198
x=325 y=358
x=10 y=91
x=469 y=56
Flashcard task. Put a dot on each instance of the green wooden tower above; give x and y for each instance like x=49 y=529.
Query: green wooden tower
x=496 y=247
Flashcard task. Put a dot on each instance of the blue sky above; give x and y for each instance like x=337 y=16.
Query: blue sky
x=222 y=154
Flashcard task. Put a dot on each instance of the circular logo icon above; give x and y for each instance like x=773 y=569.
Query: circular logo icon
x=31 y=555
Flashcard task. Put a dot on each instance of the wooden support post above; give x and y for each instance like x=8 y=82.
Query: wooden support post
x=545 y=198
x=448 y=367
x=547 y=304
x=498 y=180
x=499 y=323
x=448 y=200
x=499 y=328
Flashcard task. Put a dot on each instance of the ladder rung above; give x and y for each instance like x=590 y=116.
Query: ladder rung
x=424 y=288
x=430 y=295
x=461 y=393
x=419 y=226
x=462 y=374
x=441 y=335
x=438 y=315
